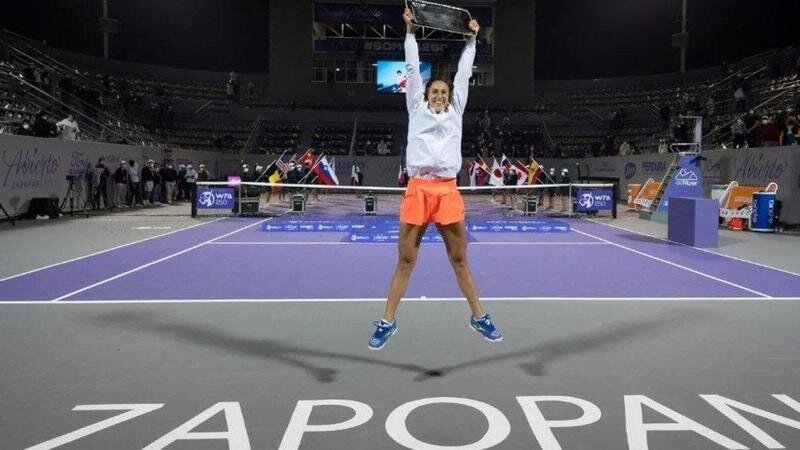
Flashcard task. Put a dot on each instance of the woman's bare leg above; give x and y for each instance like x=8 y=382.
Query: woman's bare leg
x=455 y=240
x=407 y=249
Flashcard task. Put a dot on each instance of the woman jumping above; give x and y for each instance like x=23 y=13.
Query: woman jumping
x=433 y=158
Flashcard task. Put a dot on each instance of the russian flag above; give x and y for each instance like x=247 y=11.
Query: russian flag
x=325 y=173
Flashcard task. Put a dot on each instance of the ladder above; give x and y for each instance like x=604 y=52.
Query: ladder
x=667 y=180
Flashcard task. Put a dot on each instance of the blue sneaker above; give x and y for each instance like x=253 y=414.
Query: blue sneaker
x=383 y=331
x=485 y=327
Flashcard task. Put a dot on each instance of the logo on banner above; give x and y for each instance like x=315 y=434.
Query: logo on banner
x=594 y=199
x=654 y=166
x=586 y=200
x=630 y=170
x=215 y=198
x=686 y=178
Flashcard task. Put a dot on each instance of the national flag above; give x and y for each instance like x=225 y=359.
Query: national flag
x=522 y=172
x=275 y=178
x=283 y=166
x=307 y=157
x=400 y=175
x=504 y=162
x=325 y=173
x=478 y=174
x=496 y=174
x=534 y=170
x=353 y=175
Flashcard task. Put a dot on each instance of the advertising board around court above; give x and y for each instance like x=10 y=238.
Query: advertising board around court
x=215 y=200
x=749 y=167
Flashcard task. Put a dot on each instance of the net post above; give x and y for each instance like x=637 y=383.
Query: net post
x=194 y=200
x=569 y=201
x=239 y=194
x=614 y=199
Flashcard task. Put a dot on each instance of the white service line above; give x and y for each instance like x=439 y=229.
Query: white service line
x=143 y=266
x=696 y=248
x=675 y=264
x=395 y=243
x=108 y=250
x=410 y=299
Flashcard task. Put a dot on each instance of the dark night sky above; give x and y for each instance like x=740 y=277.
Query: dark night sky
x=574 y=38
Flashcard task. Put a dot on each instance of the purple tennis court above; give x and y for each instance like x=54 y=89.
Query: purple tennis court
x=234 y=259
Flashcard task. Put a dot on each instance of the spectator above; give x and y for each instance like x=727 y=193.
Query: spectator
x=403 y=181
x=740 y=97
x=121 y=181
x=202 y=173
x=383 y=148
x=251 y=90
x=510 y=178
x=181 y=182
x=486 y=121
x=767 y=134
x=148 y=182
x=359 y=176
x=189 y=180
x=662 y=146
x=791 y=135
x=157 y=184
x=135 y=185
x=170 y=176
x=25 y=128
x=68 y=128
x=100 y=176
x=625 y=149
x=43 y=126
x=738 y=133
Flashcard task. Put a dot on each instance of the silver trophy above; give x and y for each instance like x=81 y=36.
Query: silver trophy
x=440 y=17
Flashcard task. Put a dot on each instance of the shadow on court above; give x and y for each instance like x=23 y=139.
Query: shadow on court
x=535 y=358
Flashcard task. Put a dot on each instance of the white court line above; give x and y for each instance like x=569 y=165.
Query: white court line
x=696 y=248
x=108 y=250
x=143 y=266
x=411 y=299
x=395 y=243
x=674 y=264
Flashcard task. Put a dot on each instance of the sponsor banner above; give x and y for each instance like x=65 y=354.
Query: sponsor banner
x=590 y=200
x=686 y=182
x=36 y=167
x=380 y=14
x=749 y=167
x=215 y=198
x=427 y=47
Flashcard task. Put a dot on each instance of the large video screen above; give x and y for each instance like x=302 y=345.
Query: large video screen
x=391 y=77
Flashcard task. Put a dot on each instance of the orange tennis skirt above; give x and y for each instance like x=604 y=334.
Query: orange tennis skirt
x=427 y=201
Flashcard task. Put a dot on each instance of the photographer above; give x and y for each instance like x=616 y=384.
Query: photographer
x=100 y=176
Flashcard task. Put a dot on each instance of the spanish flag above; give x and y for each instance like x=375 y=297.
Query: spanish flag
x=533 y=172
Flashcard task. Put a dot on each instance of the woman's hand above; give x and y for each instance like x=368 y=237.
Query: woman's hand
x=473 y=25
x=408 y=17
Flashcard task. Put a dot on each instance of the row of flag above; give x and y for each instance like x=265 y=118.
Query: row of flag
x=480 y=174
x=324 y=170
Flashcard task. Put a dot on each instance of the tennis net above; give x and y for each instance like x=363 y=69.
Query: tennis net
x=324 y=201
